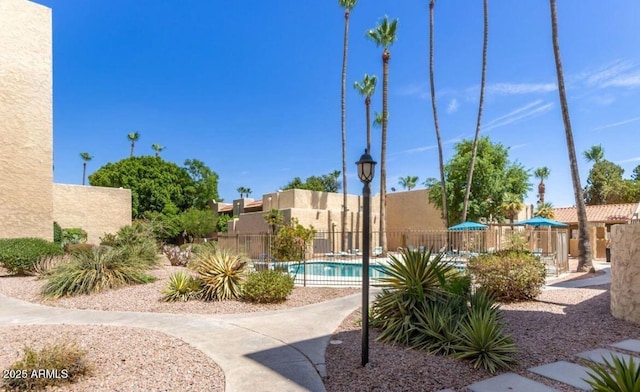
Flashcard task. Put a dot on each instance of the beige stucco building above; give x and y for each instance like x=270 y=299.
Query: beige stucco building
x=29 y=200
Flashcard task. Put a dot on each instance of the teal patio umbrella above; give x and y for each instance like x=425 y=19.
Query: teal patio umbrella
x=538 y=221
x=468 y=226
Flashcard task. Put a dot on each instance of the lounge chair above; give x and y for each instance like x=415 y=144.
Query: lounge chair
x=377 y=251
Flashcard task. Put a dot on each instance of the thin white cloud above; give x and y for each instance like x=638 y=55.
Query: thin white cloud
x=629 y=80
x=518 y=146
x=432 y=147
x=453 y=106
x=520 y=88
x=418 y=90
x=526 y=112
x=617 y=124
x=604 y=75
x=636 y=159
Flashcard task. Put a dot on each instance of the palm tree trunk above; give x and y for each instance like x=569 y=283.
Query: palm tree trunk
x=133 y=144
x=474 y=150
x=345 y=47
x=367 y=104
x=584 y=246
x=383 y=151
x=84 y=172
x=443 y=185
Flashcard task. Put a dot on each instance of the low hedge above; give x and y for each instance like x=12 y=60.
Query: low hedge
x=508 y=275
x=267 y=287
x=19 y=255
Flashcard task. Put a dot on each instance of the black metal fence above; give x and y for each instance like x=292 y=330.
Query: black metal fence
x=326 y=262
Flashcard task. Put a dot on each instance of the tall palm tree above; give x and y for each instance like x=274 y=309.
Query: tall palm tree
x=86 y=158
x=443 y=185
x=594 y=154
x=541 y=173
x=584 y=246
x=241 y=190
x=408 y=182
x=366 y=89
x=133 y=138
x=474 y=150
x=384 y=35
x=348 y=6
x=157 y=148
x=511 y=205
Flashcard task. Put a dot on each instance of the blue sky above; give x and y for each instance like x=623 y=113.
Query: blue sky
x=253 y=88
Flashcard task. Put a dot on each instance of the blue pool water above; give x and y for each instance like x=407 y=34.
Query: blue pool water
x=334 y=269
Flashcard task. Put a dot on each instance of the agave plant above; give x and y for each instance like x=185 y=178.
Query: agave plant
x=181 y=287
x=615 y=376
x=221 y=273
x=438 y=324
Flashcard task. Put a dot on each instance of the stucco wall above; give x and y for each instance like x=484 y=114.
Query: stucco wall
x=26 y=167
x=411 y=210
x=625 y=272
x=97 y=210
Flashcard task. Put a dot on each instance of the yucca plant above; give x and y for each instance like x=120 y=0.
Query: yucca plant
x=221 y=273
x=410 y=281
x=482 y=337
x=615 y=376
x=91 y=272
x=181 y=287
x=142 y=253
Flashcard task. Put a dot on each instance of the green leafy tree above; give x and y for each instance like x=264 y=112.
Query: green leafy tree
x=408 y=182
x=495 y=176
x=384 y=34
x=157 y=148
x=326 y=183
x=205 y=183
x=222 y=223
x=156 y=185
x=541 y=173
x=133 y=137
x=605 y=185
x=292 y=241
x=584 y=246
x=367 y=88
x=196 y=223
x=443 y=189
x=474 y=150
x=85 y=159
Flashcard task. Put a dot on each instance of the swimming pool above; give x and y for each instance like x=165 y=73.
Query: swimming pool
x=326 y=273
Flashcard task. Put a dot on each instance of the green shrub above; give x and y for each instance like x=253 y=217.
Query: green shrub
x=615 y=376
x=181 y=287
x=57 y=234
x=73 y=236
x=20 y=255
x=102 y=269
x=290 y=244
x=508 y=275
x=267 y=287
x=109 y=239
x=143 y=254
x=65 y=363
x=221 y=273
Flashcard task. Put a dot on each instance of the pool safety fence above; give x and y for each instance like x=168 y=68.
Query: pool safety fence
x=334 y=258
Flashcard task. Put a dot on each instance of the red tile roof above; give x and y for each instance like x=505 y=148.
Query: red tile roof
x=600 y=213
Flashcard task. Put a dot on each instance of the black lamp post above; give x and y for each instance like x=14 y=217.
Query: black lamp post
x=366 y=168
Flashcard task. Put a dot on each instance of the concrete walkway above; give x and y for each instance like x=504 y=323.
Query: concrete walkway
x=281 y=350
x=269 y=351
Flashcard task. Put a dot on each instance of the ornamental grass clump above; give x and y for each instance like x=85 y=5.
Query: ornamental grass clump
x=51 y=366
x=102 y=269
x=508 y=275
x=267 y=286
x=426 y=305
x=221 y=274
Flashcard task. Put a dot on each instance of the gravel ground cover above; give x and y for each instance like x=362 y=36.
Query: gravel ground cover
x=558 y=325
x=156 y=362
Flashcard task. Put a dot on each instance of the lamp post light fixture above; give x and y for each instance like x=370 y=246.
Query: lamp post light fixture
x=366 y=170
